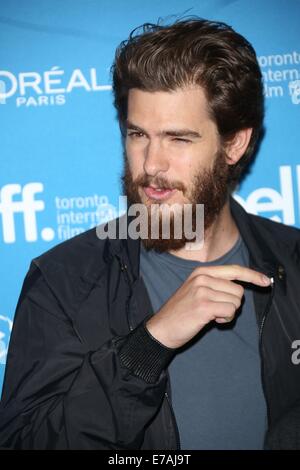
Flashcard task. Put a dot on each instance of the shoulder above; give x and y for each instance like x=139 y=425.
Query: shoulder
x=270 y=230
x=77 y=253
x=279 y=231
x=83 y=256
x=67 y=271
x=283 y=240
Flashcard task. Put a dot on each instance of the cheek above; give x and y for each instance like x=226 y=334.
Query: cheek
x=135 y=166
x=183 y=169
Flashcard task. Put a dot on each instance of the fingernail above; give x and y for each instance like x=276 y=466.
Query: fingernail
x=266 y=280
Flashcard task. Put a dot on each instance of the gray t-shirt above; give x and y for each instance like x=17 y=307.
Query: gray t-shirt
x=216 y=385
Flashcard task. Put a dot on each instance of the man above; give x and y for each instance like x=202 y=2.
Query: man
x=141 y=343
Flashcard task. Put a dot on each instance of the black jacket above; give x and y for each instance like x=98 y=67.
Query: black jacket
x=83 y=373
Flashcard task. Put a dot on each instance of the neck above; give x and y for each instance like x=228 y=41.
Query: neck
x=219 y=238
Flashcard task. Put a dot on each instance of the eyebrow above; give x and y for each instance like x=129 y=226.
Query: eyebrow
x=169 y=132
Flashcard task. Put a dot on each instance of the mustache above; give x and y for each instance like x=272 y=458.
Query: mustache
x=159 y=182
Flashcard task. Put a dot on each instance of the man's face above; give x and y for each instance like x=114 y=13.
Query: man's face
x=172 y=143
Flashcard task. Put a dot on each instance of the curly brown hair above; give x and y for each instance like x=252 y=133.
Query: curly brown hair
x=195 y=52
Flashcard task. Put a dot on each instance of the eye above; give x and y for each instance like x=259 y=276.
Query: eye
x=178 y=139
x=135 y=134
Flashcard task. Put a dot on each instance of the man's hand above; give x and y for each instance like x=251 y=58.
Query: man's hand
x=209 y=293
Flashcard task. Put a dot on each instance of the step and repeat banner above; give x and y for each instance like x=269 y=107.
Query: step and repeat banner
x=61 y=155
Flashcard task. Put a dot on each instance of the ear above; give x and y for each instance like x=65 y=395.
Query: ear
x=237 y=146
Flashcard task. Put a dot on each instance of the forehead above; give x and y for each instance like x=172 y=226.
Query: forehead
x=184 y=106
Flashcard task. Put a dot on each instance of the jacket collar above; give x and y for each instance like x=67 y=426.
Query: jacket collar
x=127 y=250
x=261 y=256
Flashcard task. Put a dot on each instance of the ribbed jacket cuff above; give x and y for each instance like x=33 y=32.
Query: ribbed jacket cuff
x=144 y=356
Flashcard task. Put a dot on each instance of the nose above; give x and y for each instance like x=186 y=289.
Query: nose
x=155 y=160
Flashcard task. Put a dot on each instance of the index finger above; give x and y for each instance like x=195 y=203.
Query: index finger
x=234 y=272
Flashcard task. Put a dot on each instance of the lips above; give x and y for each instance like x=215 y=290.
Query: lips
x=158 y=194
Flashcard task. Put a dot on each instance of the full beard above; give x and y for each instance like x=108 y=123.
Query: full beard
x=209 y=187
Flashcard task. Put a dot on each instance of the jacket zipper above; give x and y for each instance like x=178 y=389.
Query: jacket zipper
x=124 y=269
x=266 y=311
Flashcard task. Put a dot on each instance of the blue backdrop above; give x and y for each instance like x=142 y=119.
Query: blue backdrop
x=60 y=146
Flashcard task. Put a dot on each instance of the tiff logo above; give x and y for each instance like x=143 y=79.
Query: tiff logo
x=27 y=205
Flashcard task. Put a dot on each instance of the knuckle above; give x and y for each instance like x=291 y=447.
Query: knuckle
x=202 y=279
x=237 y=300
x=202 y=291
x=231 y=308
x=241 y=290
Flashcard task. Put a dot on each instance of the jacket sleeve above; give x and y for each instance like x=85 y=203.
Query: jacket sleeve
x=59 y=395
